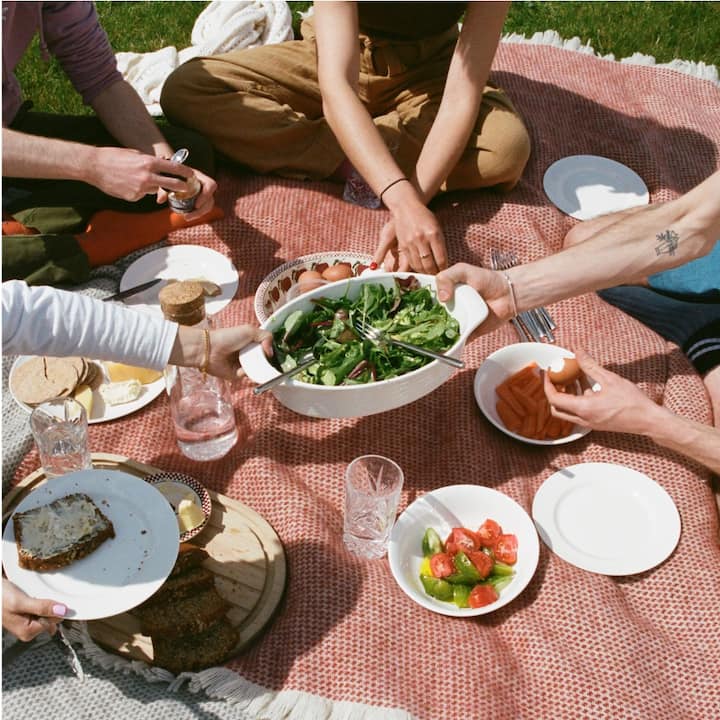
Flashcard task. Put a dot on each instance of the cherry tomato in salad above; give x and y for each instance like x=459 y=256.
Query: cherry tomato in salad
x=482 y=595
x=482 y=561
x=441 y=565
x=461 y=539
x=488 y=533
x=506 y=549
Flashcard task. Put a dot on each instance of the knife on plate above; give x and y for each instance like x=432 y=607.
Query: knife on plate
x=133 y=290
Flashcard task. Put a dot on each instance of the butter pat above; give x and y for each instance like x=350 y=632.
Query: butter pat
x=121 y=392
x=189 y=515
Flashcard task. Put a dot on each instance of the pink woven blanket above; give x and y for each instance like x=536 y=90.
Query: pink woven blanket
x=574 y=644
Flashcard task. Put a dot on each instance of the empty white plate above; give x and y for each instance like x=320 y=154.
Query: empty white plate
x=606 y=518
x=586 y=186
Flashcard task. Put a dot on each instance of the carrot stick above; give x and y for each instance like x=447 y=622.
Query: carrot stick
x=527 y=402
x=510 y=418
x=519 y=376
x=505 y=393
x=528 y=426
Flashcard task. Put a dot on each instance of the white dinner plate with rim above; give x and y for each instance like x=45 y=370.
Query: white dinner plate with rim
x=123 y=571
x=180 y=262
x=102 y=412
x=587 y=186
x=460 y=506
x=606 y=518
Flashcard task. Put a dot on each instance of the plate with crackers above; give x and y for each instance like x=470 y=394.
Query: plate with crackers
x=100 y=541
x=107 y=390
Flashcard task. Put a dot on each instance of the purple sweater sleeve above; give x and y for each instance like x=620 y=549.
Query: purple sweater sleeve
x=74 y=36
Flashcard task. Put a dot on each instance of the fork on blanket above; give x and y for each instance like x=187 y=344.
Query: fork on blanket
x=533 y=324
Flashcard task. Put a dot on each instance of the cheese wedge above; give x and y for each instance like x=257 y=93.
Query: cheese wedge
x=84 y=395
x=118 y=393
x=117 y=372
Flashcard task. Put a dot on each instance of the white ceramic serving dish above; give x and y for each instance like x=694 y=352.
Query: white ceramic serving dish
x=460 y=506
x=467 y=307
x=272 y=292
x=503 y=363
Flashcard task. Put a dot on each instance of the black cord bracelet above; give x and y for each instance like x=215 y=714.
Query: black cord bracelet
x=394 y=182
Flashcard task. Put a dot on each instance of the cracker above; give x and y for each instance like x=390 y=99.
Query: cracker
x=44 y=378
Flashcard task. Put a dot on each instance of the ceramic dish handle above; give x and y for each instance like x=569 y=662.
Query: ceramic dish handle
x=473 y=304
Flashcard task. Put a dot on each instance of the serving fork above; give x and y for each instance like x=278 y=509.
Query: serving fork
x=379 y=337
x=533 y=324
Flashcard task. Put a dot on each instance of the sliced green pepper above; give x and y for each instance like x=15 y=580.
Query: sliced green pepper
x=502 y=569
x=460 y=595
x=431 y=543
x=437 y=588
x=465 y=569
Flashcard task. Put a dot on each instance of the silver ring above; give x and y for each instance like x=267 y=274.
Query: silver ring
x=422 y=257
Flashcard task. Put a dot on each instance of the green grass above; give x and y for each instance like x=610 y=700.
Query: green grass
x=666 y=30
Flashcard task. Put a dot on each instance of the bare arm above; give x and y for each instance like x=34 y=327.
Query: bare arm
x=130 y=172
x=631 y=248
x=413 y=228
x=620 y=406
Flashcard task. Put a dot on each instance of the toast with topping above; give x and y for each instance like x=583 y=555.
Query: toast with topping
x=55 y=535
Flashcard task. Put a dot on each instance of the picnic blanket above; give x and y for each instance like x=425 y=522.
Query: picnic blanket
x=347 y=643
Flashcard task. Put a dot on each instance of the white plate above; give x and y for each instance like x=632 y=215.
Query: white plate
x=100 y=411
x=503 y=363
x=460 y=506
x=125 y=570
x=180 y=262
x=606 y=518
x=586 y=186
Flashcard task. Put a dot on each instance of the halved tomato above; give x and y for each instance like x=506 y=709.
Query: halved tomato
x=506 y=549
x=483 y=562
x=441 y=565
x=488 y=533
x=482 y=595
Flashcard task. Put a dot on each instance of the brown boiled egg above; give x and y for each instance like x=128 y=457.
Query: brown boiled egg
x=339 y=271
x=564 y=371
x=309 y=280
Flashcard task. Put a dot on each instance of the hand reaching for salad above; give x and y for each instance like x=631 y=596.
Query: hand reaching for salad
x=412 y=240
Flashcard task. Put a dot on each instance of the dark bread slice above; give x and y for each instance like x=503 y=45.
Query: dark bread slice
x=177 y=588
x=188 y=616
x=55 y=535
x=189 y=556
x=191 y=653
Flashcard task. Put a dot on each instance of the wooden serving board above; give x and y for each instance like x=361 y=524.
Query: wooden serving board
x=246 y=557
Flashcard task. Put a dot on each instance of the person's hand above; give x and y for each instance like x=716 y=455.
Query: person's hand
x=491 y=285
x=226 y=343
x=27 y=617
x=618 y=406
x=205 y=200
x=412 y=240
x=130 y=175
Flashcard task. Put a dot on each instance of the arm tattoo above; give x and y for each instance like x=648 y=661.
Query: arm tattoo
x=668 y=242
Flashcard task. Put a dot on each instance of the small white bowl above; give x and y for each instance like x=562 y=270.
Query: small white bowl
x=460 y=506
x=503 y=363
x=272 y=292
x=467 y=307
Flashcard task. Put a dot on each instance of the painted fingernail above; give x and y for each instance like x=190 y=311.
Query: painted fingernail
x=59 y=610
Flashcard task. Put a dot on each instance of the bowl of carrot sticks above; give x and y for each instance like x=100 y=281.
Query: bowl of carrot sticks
x=509 y=390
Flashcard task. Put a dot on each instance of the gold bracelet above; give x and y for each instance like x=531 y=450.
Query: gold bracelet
x=511 y=288
x=206 y=356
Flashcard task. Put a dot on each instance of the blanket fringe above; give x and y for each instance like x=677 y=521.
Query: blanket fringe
x=551 y=37
x=219 y=683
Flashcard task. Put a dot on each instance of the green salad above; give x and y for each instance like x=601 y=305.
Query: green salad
x=406 y=311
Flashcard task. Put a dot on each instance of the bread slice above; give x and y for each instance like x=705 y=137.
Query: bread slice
x=53 y=536
x=211 y=647
x=191 y=582
x=189 y=556
x=188 y=616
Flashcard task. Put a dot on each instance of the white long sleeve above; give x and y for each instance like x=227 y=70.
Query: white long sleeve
x=47 y=321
